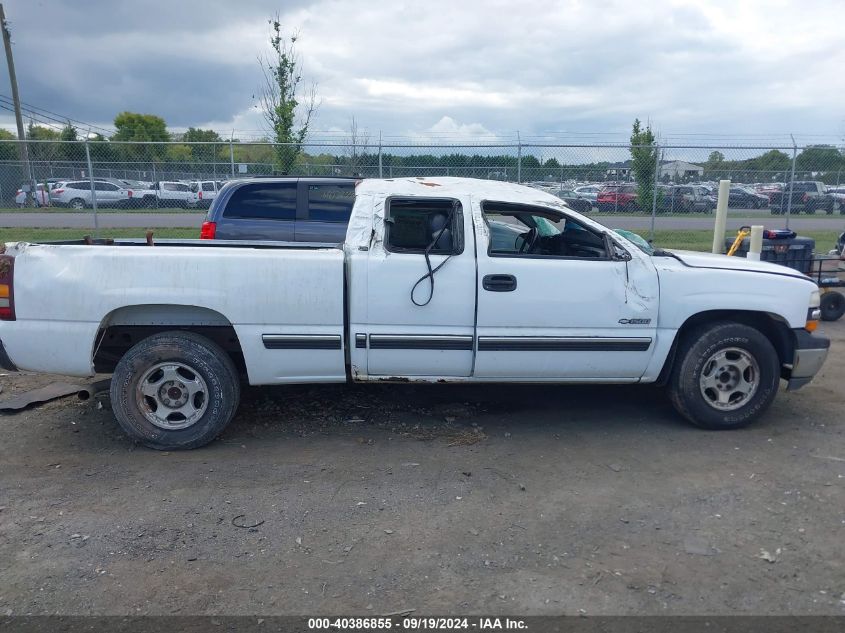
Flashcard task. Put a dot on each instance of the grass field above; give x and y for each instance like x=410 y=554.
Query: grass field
x=684 y=240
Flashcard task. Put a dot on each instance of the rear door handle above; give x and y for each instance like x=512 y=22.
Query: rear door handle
x=499 y=283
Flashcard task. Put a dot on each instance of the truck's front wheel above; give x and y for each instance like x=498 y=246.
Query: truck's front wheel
x=175 y=390
x=725 y=375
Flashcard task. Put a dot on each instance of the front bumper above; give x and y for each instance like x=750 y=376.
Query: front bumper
x=810 y=353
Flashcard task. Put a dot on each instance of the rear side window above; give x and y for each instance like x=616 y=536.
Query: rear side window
x=263 y=201
x=330 y=203
x=415 y=225
x=208 y=186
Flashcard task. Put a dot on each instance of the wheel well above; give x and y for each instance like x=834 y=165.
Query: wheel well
x=772 y=326
x=125 y=327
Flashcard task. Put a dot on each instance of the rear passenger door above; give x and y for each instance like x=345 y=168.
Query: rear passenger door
x=324 y=211
x=260 y=211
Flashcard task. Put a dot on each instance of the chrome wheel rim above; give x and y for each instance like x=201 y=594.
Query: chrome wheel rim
x=172 y=395
x=729 y=379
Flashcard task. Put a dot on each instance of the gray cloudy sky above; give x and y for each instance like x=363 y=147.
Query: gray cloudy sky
x=457 y=69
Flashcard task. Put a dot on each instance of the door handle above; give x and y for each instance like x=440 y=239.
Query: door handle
x=499 y=283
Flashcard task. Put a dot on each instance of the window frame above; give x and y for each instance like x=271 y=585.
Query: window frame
x=606 y=238
x=457 y=226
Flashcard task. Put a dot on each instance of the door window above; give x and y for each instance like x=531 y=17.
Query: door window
x=522 y=231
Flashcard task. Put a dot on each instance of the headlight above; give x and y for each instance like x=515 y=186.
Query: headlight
x=815 y=298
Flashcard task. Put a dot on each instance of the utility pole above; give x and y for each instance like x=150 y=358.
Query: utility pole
x=24 y=148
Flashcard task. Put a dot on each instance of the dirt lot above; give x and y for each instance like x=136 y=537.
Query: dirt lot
x=518 y=500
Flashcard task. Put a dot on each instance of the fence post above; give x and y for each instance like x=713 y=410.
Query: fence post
x=380 y=164
x=93 y=191
x=791 y=181
x=654 y=192
x=518 y=157
x=232 y=152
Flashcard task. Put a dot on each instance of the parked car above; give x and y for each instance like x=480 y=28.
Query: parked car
x=41 y=197
x=614 y=198
x=203 y=193
x=808 y=196
x=164 y=194
x=181 y=325
x=76 y=194
x=589 y=192
x=687 y=199
x=286 y=209
x=746 y=198
x=574 y=201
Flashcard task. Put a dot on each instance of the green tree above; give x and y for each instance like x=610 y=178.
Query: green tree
x=205 y=150
x=773 y=160
x=818 y=158
x=643 y=162
x=42 y=151
x=288 y=119
x=714 y=162
x=8 y=151
x=142 y=129
x=68 y=148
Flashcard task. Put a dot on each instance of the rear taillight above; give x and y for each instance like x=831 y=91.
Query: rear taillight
x=7 y=290
x=805 y=197
x=200 y=195
x=19 y=192
x=208 y=230
x=58 y=191
x=129 y=193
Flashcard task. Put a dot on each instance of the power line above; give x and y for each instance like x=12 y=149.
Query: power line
x=82 y=125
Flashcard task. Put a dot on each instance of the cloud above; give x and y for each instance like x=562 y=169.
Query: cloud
x=450 y=68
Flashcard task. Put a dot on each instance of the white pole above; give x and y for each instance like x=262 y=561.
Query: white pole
x=721 y=216
x=756 y=246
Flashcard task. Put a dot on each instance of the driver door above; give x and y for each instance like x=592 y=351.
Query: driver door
x=557 y=301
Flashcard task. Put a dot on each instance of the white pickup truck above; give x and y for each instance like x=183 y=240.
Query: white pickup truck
x=438 y=280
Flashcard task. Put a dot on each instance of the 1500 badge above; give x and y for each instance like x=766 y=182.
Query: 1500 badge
x=634 y=321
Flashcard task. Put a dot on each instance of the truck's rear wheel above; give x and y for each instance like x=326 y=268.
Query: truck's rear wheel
x=726 y=374
x=175 y=390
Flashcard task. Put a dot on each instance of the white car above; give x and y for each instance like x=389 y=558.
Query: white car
x=76 y=194
x=41 y=197
x=203 y=193
x=589 y=192
x=164 y=194
x=439 y=280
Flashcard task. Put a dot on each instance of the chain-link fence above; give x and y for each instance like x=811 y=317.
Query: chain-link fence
x=667 y=193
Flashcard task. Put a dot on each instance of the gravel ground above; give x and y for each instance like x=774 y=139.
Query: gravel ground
x=444 y=499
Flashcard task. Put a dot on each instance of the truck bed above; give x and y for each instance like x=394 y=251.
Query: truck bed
x=67 y=294
x=189 y=242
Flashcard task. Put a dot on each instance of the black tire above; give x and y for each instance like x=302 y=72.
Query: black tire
x=150 y=202
x=207 y=361
x=695 y=360
x=832 y=306
x=77 y=203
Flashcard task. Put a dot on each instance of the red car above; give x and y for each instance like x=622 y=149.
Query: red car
x=618 y=198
